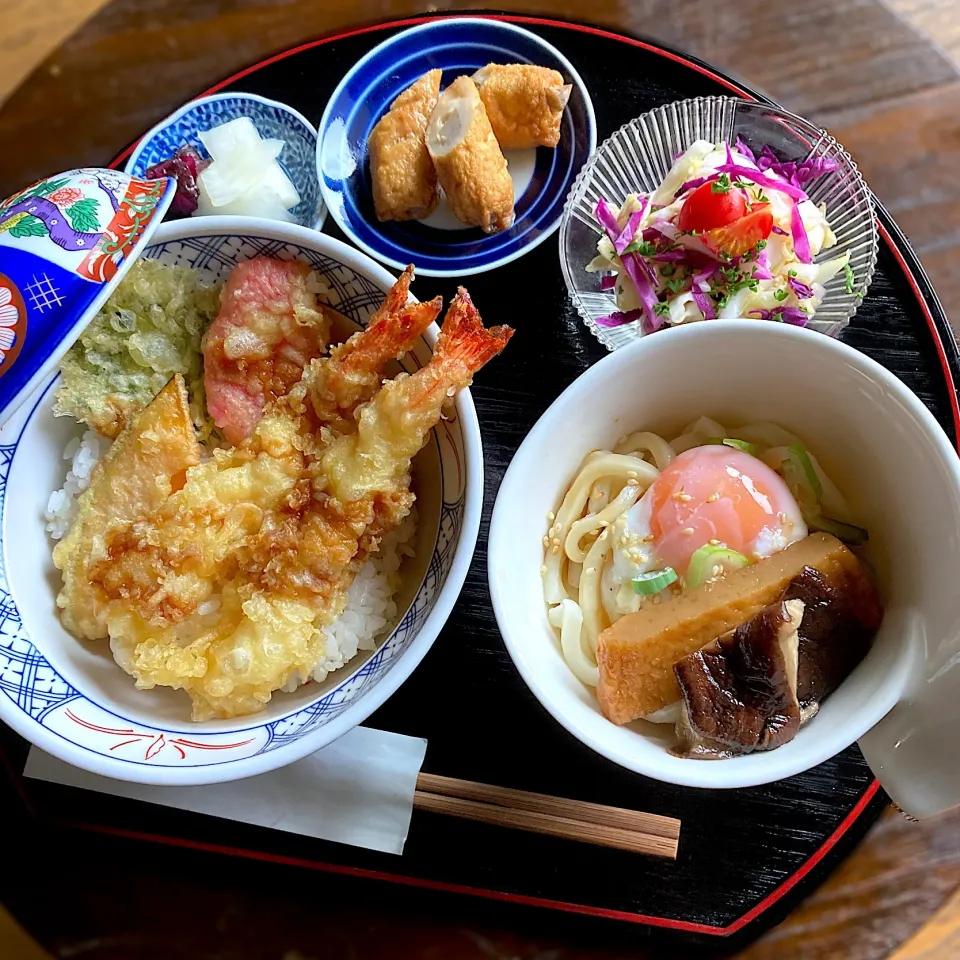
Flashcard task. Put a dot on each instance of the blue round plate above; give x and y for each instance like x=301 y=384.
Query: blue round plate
x=441 y=247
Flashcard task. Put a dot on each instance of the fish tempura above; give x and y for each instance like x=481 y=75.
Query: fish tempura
x=269 y=328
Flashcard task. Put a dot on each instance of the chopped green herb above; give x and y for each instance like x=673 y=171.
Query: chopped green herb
x=740 y=184
x=743 y=284
x=791 y=273
x=762 y=198
x=676 y=284
x=646 y=248
x=781 y=295
x=722 y=185
x=761 y=245
x=667 y=270
x=662 y=309
x=848 y=276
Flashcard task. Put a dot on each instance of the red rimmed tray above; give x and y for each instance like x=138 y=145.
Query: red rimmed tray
x=745 y=856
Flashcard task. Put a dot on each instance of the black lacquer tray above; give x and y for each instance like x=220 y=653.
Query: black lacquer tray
x=746 y=856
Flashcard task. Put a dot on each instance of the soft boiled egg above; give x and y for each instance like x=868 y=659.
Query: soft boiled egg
x=713 y=494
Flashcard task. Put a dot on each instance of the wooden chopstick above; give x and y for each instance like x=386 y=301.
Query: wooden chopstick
x=555 y=816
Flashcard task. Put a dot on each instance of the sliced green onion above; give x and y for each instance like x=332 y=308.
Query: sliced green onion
x=654 y=581
x=799 y=451
x=845 y=532
x=741 y=445
x=704 y=560
x=797 y=470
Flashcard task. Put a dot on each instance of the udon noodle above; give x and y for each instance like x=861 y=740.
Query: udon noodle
x=581 y=591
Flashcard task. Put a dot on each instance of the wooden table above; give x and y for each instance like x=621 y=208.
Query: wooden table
x=887 y=92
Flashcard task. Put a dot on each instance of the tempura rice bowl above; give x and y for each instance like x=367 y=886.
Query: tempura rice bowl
x=72 y=699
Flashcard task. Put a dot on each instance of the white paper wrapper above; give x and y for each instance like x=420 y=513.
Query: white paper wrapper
x=358 y=790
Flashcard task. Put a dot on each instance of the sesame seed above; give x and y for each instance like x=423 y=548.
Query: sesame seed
x=546 y=541
x=556 y=541
x=543 y=570
x=604 y=523
x=684 y=497
x=648 y=538
x=688 y=532
x=713 y=497
x=556 y=549
x=551 y=516
x=714 y=543
x=631 y=473
x=633 y=482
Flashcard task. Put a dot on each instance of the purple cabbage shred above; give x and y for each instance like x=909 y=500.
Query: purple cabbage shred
x=744 y=150
x=791 y=315
x=801 y=289
x=797 y=172
x=618 y=318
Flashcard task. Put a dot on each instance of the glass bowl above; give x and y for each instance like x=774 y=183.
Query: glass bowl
x=637 y=157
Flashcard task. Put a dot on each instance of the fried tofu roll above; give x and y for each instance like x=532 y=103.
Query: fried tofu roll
x=469 y=162
x=524 y=103
x=404 y=179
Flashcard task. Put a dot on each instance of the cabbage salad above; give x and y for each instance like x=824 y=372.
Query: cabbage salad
x=727 y=234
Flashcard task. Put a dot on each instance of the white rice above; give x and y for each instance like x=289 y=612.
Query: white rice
x=83 y=455
x=370 y=611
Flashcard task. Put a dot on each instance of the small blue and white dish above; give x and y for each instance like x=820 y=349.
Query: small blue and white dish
x=441 y=246
x=272 y=120
x=65 y=243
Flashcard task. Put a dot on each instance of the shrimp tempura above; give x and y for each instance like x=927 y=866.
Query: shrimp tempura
x=394 y=425
x=350 y=376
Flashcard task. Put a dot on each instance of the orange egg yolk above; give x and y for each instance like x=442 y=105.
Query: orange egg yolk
x=717 y=493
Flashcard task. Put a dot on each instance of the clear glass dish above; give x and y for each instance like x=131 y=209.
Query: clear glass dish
x=637 y=157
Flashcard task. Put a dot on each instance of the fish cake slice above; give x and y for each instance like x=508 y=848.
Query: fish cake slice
x=402 y=173
x=636 y=654
x=525 y=103
x=469 y=162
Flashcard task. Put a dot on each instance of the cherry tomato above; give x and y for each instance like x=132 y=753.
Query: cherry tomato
x=744 y=234
x=706 y=210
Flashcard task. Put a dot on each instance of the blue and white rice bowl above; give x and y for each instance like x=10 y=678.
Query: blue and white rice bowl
x=71 y=699
x=441 y=246
x=272 y=120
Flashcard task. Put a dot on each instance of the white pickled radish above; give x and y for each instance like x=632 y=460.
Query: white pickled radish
x=230 y=138
x=259 y=201
x=281 y=184
x=226 y=179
